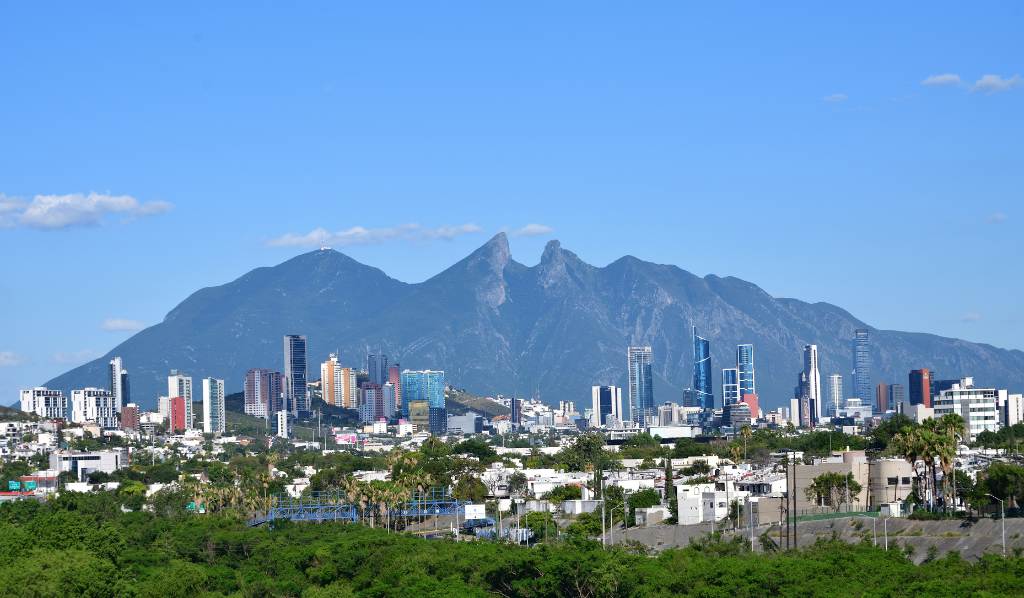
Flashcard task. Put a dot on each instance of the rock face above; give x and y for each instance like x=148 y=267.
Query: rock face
x=495 y=325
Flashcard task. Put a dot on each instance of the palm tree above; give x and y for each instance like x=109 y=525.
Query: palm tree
x=746 y=434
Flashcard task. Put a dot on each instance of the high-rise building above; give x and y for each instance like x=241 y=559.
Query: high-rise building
x=754 y=402
x=295 y=373
x=745 y=365
x=702 y=371
x=835 y=394
x=213 y=406
x=94 y=405
x=897 y=395
x=178 y=421
x=371 y=402
x=130 y=417
x=349 y=384
x=395 y=378
x=377 y=368
x=264 y=390
x=516 y=408
x=329 y=379
x=979 y=407
x=427 y=385
x=282 y=424
x=46 y=403
x=389 y=402
x=641 y=384
x=180 y=385
x=730 y=386
x=119 y=387
x=813 y=383
x=862 y=364
x=606 y=402
x=920 y=385
x=882 y=397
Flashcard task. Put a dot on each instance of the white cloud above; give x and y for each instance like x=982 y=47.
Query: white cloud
x=10 y=359
x=52 y=212
x=75 y=357
x=971 y=316
x=996 y=218
x=532 y=230
x=122 y=325
x=995 y=83
x=943 y=79
x=836 y=97
x=358 y=235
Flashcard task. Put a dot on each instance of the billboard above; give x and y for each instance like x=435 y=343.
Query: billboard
x=475 y=511
x=13 y=486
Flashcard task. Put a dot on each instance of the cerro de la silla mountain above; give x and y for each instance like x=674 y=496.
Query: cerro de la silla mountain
x=497 y=326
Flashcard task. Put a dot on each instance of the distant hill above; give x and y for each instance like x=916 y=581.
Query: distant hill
x=495 y=325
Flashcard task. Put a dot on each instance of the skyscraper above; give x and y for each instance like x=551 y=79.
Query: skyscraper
x=263 y=390
x=745 y=365
x=606 y=402
x=377 y=368
x=349 y=384
x=180 y=385
x=812 y=383
x=427 y=385
x=861 y=364
x=295 y=393
x=213 y=406
x=641 y=384
x=329 y=379
x=896 y=396
x=395 y=378
x=835 y=394
x=119 y=388
x=920 y=387
x=882 y=397
x=702 y=371
x=730 y=386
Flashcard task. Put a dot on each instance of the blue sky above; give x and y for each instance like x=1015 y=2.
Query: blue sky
x=151 y=151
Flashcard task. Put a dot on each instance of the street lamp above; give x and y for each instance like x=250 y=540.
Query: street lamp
x=885 y=530
x=1002 y=519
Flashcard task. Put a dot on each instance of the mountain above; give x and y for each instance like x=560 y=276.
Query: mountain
x=495 y=325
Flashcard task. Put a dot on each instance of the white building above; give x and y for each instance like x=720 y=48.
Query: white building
x=81 y=464
x=1013 y=410
x=978 y=406
x=95 y=405
x=180 y=385
x=605 y=404
x=835 y=394
x=813 y=381
x=213 y=406
x=46 y=403
x=119 y=383
x=282 y=424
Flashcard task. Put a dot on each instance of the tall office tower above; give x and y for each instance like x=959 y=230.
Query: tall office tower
x=388 y=394
x=371 y=402
x=896 y=396
x=213 y=406
x=882 y=397
x=861 y=364
x=119 y=383
x=180 y=385
x=295 y=393
x=605 y=403
x=745 y=364
x=427 y=385
x=516 y=406
x=349 y=385
x=702 y=371
x=730 y=386
x=329 y=379
x=813 y=382
x=920 y=387
x=940 y=385
x=46 y=403
x=641 y=384
x=835 y=394
x=377 y=368
x=94 y=405
x=802 y=395
x=395 y=379
x=794 y=412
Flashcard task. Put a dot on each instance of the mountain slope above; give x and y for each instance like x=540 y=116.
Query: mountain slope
x=496 y=325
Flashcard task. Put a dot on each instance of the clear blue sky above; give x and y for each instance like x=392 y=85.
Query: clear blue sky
x=798 y=148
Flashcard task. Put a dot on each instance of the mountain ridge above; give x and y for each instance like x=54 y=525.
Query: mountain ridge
x=496 y=325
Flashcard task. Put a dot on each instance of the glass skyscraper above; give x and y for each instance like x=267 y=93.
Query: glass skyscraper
x=862 y=387
x=730 y=386
x=426 y=385
x=641 y=384
x=745 y=365
x=702 y=371
x=295 y=393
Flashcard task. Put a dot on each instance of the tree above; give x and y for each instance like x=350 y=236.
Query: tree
x=746 y=434
x=470 y=488
x=542 y=524
x=833 y=490
x=559 y=494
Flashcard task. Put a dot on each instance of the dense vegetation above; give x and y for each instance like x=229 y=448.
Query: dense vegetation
x=85 y=545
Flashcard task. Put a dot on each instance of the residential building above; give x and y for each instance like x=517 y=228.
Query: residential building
x=349 y=384
x=263 y=392
x=130 y=418
x=119 y=387
x=213 y=406
x=979 y=407
x=82 y=463
x=745 y=365
x=835 y=394
x=641 y=384
x=606 y=402
x=861 y=364
x=45 y=403
x=295 y=374
x=395 y=379
x=730 y=386
x=178 y=419
x=702 y=371
x=377 y=368
x=180 y=385
x=920 y=387
x=282 y=424
x=1012 y=410
x=94 y=405
x=329 y=379
x=754 y=402
x=736 y=415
